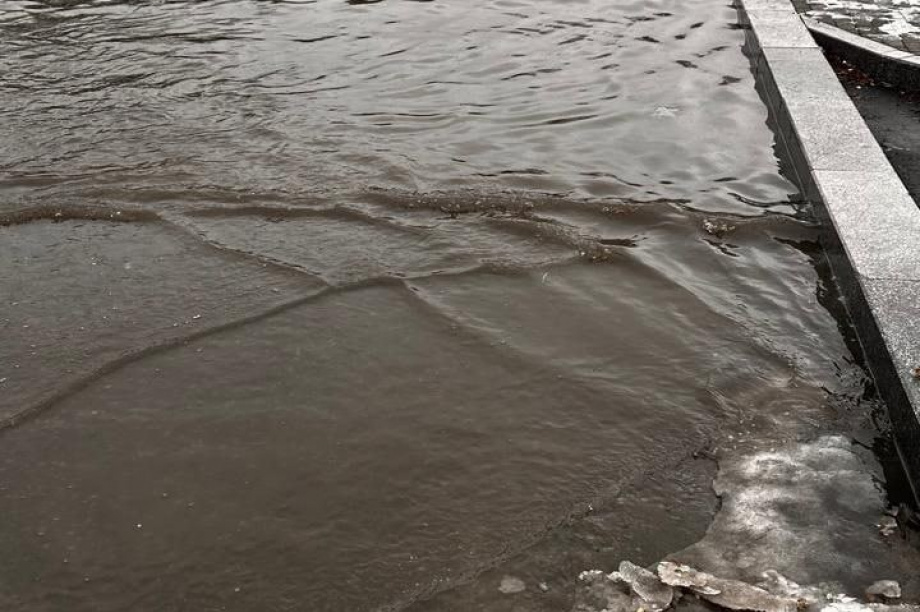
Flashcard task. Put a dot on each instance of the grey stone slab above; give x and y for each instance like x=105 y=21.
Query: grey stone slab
x=876 y=220
x=863 y=42
x=873 y=21
x=850 y=38
x=779 y=28
x=886 y=64
x=836 y=138
x=896 y=305
x=843 y=23
x=899 y=55
x=803 y=76
x=769 y=5
x=896 y=308
x=792 y=157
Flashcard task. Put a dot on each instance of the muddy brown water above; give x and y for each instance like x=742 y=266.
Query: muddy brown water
x=358 y=306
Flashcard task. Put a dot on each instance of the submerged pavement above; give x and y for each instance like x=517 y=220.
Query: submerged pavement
x=369 y=398
x=804 y=521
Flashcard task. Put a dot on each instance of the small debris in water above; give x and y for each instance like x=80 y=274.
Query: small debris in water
x=511 y=585
x=717 y=228
x=544 y=587
x=666 y=111
x=588 y=575
x=888 y=526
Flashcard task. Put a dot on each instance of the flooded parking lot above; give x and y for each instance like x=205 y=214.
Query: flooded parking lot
x=398 y=305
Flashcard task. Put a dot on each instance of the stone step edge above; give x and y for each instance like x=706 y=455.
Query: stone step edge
x=887 y=64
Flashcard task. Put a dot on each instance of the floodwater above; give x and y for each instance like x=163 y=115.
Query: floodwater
x=376 y=306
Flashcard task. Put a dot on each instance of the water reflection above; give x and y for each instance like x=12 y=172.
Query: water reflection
x=301 y=97
x=335 y=305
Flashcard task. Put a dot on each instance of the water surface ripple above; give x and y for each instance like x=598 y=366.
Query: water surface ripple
x=647 y=99
x=366 y=306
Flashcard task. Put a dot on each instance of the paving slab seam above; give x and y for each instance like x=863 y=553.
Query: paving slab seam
x=871 y=225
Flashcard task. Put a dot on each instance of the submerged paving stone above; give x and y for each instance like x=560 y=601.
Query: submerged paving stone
x=128 y=288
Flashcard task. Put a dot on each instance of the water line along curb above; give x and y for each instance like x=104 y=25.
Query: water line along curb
x=870 y=223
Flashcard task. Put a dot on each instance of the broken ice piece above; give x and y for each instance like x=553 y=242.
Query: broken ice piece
x=510 y=585
x=654 y=594
x=685 y=576
x=883 y=589
x=599 y=591
x=732 y=594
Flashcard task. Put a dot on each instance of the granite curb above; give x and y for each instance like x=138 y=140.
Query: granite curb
x=871 y=225
x=886 y=64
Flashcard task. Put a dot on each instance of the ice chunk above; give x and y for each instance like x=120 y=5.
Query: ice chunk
x=731 y=594
x=510 y=585
x=887 y=589
x=655 y=595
